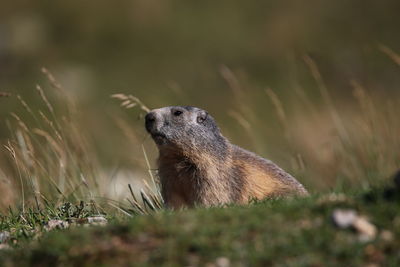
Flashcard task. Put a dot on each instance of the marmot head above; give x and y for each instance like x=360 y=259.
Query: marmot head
x=184 y=129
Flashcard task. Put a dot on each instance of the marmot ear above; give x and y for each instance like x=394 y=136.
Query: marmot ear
x=202 y=116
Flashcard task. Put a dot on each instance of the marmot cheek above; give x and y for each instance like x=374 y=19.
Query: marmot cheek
x=159 y=140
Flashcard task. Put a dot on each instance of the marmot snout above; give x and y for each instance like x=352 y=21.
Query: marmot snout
x=197 y=165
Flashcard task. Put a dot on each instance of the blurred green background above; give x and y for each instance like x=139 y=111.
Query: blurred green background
x=149 y=47
x=218 y=55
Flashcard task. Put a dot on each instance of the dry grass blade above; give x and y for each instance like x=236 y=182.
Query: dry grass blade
x=363 y=99
x=131 y=191
x=137 y=207
x=10 y=149
x=326 y=97
x=153 y=179
x=13 y=154
x=155 y=194
x=390 y=53
x=20 y=122
x=51 y=78
x=44 y=98
x=51 y=124
x=25 y=105
x=130 y=101
x=68 y=98
x=240 y=119
x=120 y=209
x=279 y=110
x=135 y=204
x=157 y=201
x=146 y=200
x=56 y=147
x=231 y=79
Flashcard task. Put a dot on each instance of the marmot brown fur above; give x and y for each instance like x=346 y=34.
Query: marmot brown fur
x=198 y=166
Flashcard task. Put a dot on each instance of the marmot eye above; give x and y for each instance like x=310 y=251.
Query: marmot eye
x=177 y=112
x=200 y=119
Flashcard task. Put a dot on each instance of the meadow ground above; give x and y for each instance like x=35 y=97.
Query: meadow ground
x=297 y=232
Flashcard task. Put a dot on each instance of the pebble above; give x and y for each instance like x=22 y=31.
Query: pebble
x=367 y=231
x=97 y=220
x=56 y=224
x=346 y=218
x=222 y=262
x=4 y=237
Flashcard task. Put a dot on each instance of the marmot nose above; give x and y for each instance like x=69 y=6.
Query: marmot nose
x=150 y=120
x=150 y=117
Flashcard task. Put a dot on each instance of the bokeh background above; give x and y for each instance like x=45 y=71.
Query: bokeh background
x=312 y=85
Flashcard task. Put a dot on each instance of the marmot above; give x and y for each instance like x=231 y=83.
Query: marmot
x=198 y=166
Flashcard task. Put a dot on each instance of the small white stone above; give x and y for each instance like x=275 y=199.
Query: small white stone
x=56 y=224
x=222 y=262
x=386 y=235
x=349 y=218
x=97 y=220
x=367 y=231
x=344 y=218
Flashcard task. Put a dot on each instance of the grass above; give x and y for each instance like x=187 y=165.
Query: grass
x=53 y=161
x=30 y=224
x=297 y=232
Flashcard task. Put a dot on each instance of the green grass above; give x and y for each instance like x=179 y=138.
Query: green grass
x=30 y=224
x=297 y=232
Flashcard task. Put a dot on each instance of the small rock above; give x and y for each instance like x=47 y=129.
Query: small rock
x=56 y=224
x=4 y=237
x=386 y=236
x=222 y=262
x=367 y=231
x=349 y=218
x=344 y=218
x=97 y=220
